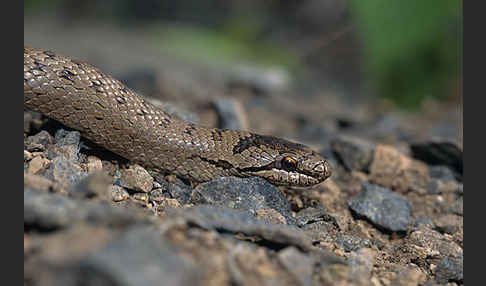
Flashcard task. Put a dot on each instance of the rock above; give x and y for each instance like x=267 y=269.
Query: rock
x=49 y=211
x=176 y=190
x=433 y=243
x=231 y=114
x=439 y=152
x=226 y=220
x=175 y=111
x=27 y=120
x=94 y=164
x=136 y=178
x=385 y=209
x=457 y=207
x=39 y=142
x=143 y=80
x=449 y=223
x=350 y=243
x=450 y=269
x=300 y=265
x=118 y=193
x=260 y=81
x=409 y=277
x=142 y=198
x=38 y=165
x=392 y=169
x=43 y=184
x=424 y=222
x=442 y=173
x=249 y=194
x=66 y=144
x=361 y=264
x=166 y=203
x=157 y=195
x=139 y=256
x=96 y=184
x=65 y=172
x=354 y=153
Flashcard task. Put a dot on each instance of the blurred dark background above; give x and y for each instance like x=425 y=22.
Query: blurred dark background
x=404 y=53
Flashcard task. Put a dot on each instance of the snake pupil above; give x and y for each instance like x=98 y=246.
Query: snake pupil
x=289 y=164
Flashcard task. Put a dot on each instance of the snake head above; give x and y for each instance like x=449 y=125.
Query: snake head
x=287 y=163
x=292 y=169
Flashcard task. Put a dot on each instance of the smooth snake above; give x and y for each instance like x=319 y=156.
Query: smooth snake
x=111 y=115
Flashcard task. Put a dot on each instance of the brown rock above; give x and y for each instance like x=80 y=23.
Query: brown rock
x=392 y=169
x=94 y=164
x=38 y=165
x=95 y=184
x=118 y=193
x=137 y=178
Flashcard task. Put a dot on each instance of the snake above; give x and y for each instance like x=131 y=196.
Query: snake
x=108 y=113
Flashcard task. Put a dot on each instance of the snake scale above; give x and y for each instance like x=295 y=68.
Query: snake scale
x=111 y=115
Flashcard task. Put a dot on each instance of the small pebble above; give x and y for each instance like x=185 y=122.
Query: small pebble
x=136 y=178
x=118 y=193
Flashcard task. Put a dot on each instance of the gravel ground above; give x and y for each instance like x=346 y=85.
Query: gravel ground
x=391 y=214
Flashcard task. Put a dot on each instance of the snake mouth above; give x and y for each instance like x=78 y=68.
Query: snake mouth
x=276 y=176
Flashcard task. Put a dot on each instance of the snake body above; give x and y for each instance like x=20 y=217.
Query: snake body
x=111 y=115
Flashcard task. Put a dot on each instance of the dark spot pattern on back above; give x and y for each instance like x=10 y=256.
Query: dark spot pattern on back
x=255 y=140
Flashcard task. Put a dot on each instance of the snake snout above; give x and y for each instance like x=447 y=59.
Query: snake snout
x=324 y=170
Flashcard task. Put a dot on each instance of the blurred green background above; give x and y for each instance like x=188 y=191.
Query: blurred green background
x=400 y=51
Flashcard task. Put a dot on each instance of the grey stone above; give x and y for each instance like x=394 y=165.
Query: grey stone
x=47 y=211
x=300 y=265
x=354 y=153
x=139 y=257
x=439 y=152
x=65 y=171
x=66 y=144
x=250 y=194
x=385 y=209
x=352 y=243
x=95 y=184
x=177 y=190
x=450 y=269
x=38 y=142
x=229 y=116
x=275 y=236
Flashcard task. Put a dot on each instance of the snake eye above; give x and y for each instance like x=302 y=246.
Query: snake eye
x=289 y=163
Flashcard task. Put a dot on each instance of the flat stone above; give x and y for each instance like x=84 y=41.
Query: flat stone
x=385 y=209
x=48 y=211
x=238 y=221
x=249 y=194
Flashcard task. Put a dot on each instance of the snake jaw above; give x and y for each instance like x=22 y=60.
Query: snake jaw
x=309 y=171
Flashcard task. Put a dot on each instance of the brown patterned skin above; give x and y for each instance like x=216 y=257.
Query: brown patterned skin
x=108 y=113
